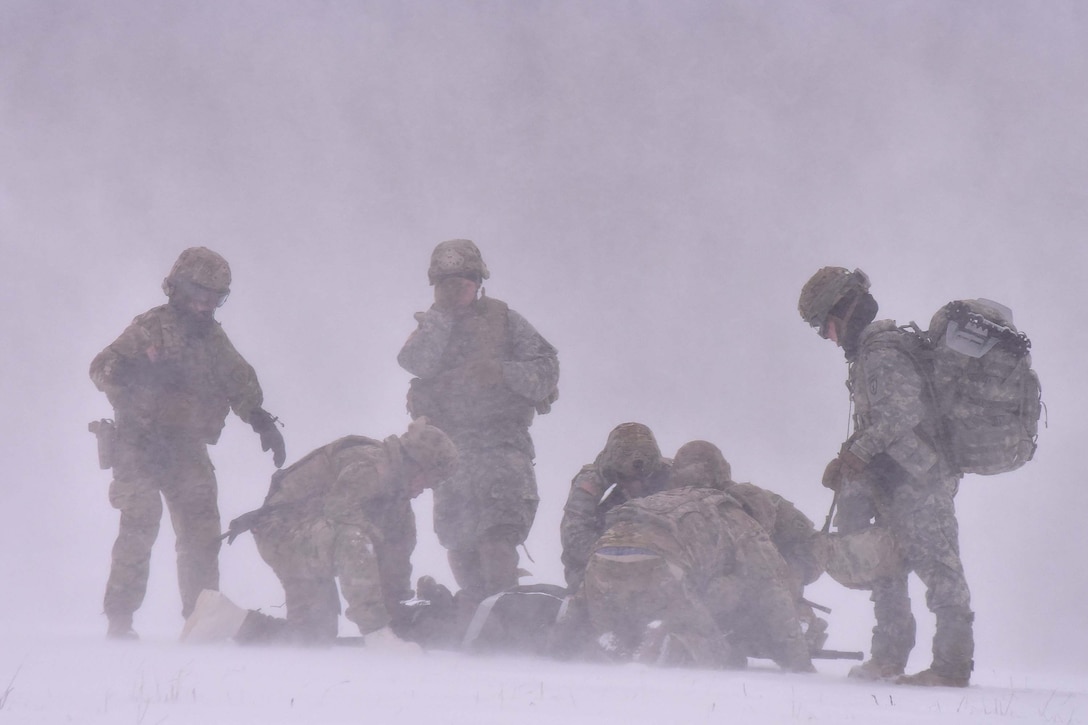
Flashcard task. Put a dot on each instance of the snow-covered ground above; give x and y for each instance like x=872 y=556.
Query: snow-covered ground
x=88 y=680
x=651 y=183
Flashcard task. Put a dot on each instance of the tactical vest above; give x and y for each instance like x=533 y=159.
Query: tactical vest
x=481 y=335
x=190 y=393
x=453 y=405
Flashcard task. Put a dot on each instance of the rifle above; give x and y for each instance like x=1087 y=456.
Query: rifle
x=836 y=654
x=818 y=607
x=829 y=654
x=244 y=523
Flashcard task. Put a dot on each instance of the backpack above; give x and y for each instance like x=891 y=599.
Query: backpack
x=986 y=394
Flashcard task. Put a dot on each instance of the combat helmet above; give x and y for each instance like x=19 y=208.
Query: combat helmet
x=631 y=453
x=457 y=258
x=700 y=463
x=202 y=268
x=859 y=560
x=825 y=289
x=430 y=448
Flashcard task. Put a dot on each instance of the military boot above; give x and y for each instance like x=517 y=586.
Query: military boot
x=893 y=635
x=953 y=649
x=874 y=669
x=120 y=628
x=931 y=678
x=260 y=628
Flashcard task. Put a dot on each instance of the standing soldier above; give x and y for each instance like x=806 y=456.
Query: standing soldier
x=629 y=466
x=482 y=372
x=342 y=513
x=892 y=470
x=172 y=377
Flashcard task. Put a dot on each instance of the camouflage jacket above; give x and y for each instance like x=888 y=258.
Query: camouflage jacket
x=696 y=529
x=353 y=480
x=793 y=533
x=441 y=353
x=584 y=516
x=164 y=377
x=726 y=557
x=892 y=411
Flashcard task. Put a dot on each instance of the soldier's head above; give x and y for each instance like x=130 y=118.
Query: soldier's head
x=433 y=456
x=630 y=458
x=700 y=463
x=837 y=304
x=456 y=271
x=199 y=282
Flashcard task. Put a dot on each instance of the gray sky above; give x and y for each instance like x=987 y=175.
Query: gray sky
x=650 y=183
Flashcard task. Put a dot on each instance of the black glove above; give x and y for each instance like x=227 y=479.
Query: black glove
x=271 y=439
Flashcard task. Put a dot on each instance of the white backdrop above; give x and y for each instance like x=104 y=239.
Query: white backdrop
x=650 y=184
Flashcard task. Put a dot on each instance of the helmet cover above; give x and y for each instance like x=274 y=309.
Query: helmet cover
x=631 y=453
x=430 y=448
x=700 y=463
x=825 y=289
x=860 y=559
x=202 y=267
x=457 y=258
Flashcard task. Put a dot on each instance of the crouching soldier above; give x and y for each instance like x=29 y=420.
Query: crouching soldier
x=341 y=513
x=700 y=463
x=675 y=573
x=629 y=466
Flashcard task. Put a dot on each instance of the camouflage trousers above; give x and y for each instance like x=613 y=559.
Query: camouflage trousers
x=309 y=557
x=635 y=599
x=483 y=513
x=920 y=514
x=757 y=603
x=146 y=473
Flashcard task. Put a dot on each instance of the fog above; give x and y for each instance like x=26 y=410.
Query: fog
x=650 y=185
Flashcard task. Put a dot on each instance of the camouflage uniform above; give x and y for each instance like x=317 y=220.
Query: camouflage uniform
x=341 y=513
x=908 y=487
x=691 y=560
x=482 y=375
x=700 y=463
x=584 y=516
x=795 y=537
x=792 y=532
x=171 y=379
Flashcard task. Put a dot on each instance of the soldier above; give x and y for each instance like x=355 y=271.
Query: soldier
x=678 y=573
x=172 y=377
x=629 y=466
x=891 y=471
x=343 y=513
x=482 y=372
x=792 y=533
